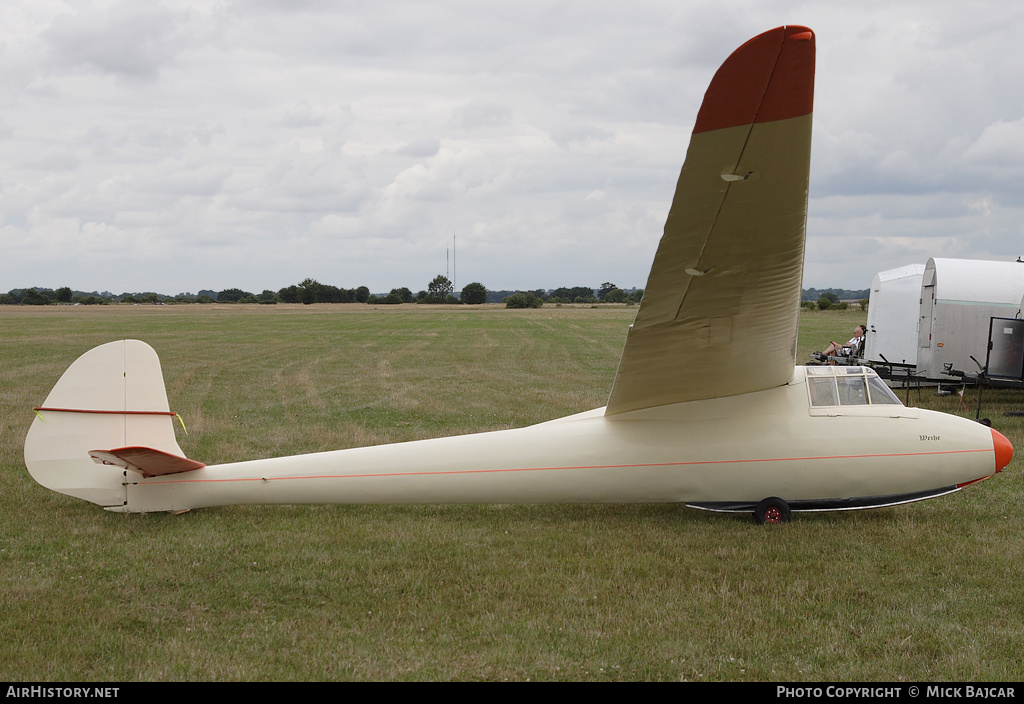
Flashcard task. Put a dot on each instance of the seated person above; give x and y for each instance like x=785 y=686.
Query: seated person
x=850 y=349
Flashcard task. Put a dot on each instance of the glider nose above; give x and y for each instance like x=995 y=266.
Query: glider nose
x=1003 y=448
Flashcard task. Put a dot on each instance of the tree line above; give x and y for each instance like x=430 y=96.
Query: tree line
x=834 y=294
x=439 y=291
x=830 y=299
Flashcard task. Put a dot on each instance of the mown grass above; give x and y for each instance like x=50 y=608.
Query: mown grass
x=930 y=591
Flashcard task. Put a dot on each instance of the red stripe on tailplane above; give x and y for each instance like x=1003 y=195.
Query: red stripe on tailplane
x=110 y=413
x=769 y=78
x=148 y=461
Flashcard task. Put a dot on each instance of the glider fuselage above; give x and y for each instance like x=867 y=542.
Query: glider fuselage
x=730 y=451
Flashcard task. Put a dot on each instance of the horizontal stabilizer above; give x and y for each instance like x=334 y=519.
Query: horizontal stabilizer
x=145 y=460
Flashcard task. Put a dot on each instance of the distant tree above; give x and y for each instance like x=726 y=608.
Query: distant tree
x=333 y=294
x=309 y=291
x=440 y=287
x=232 y=295
x=474 y=294
x=824 y=303
x=267 y=297
x=289 y=294
x=437 y=291
x=616 y=295
x=606 y=288
x=863 y=302
x=636 y=296
x=569 y=295
x=523 y=300
x=397 y=295
x=31 y=297
x=63 y=295
x=362 y=294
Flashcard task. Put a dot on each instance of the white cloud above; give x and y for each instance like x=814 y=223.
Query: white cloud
x=126 y=39
x=1000 y=144
x=347 y=141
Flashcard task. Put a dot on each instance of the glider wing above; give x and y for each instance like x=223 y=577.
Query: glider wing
x=720 y=312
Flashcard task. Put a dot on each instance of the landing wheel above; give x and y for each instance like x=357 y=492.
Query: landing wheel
x=772 y=510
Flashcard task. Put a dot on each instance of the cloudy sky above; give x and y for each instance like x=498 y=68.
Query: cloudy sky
x=179 y=145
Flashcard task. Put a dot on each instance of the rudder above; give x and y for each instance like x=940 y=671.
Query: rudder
x=112 y=396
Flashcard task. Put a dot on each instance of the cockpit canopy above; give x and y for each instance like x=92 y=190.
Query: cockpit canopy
x=847 y=386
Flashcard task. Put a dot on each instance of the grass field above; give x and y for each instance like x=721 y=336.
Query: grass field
x=929 y=591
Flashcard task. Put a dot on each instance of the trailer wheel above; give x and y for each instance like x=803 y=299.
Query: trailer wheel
x=771 y=511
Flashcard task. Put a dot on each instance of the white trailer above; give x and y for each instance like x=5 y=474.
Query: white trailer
x=893 y=313
x=959 y=297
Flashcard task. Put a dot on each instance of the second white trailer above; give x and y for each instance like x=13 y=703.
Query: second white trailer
x=959 y=297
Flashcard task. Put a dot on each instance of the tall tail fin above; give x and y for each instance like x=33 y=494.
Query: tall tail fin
x=111 y=397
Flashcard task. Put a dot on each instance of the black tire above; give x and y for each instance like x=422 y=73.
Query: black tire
x=771 y=511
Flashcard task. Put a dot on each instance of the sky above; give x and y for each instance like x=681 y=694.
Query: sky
x=180 y=145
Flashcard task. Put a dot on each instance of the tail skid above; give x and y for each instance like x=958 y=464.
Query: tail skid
x=109 y=408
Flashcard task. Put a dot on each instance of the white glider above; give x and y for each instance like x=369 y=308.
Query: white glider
x=707 y=407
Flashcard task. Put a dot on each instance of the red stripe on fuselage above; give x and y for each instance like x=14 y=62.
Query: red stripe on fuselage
x=553 y=469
